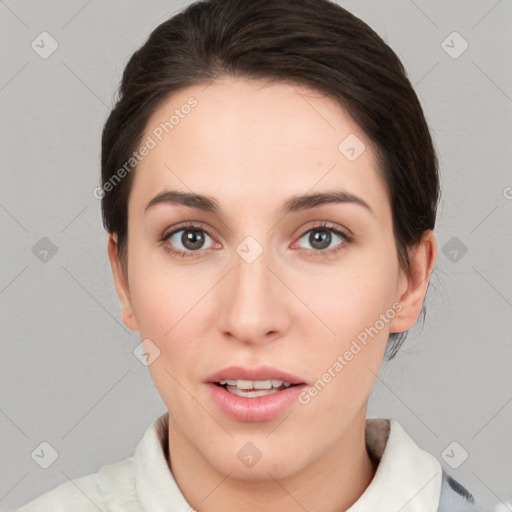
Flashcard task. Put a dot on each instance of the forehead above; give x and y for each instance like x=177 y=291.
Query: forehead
x=245 y=140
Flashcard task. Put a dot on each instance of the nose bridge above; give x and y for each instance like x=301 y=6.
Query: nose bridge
x=251 y=303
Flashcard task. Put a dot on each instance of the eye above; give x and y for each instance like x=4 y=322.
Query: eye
x=323 y=239
x=186 y=240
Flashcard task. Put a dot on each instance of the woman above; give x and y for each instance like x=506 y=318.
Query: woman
x=269 y=186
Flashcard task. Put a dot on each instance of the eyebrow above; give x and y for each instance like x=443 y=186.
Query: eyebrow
x=295 y=203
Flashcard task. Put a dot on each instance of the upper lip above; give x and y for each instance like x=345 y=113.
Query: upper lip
x=257 y=373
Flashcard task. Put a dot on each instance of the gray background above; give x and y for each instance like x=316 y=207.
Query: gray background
x=68 y=374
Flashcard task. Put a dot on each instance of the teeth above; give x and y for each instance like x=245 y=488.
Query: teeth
x=255 y=384
x=253 y=393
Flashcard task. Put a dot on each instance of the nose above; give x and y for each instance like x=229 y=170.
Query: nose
x=253 y=303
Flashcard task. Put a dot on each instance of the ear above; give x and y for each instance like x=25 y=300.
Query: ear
x=121 y=283
x=413 y=282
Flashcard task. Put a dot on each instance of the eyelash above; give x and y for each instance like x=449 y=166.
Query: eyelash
x=190 y=226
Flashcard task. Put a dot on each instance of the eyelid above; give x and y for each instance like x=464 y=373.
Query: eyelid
x=323 y=224
x=185 y=226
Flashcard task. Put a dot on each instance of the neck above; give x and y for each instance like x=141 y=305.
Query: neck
x=331 y=483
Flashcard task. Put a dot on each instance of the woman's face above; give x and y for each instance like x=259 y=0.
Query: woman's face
x=258 y=282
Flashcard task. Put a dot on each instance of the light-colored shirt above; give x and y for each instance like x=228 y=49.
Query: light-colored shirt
x=407 y=479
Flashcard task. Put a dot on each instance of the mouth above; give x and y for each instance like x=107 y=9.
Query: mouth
x=253 y=394
x=254 y=388
x=247 y=379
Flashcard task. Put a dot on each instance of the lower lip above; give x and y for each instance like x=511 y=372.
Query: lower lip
x=261 y=408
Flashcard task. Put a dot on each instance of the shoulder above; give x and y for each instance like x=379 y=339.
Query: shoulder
x=90 y=493
x=454 y=496
x=114 y=487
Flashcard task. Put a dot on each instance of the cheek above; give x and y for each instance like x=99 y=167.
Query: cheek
x=169 y=312
x=173 y=305
x=168 y=308
x=160 y=292
x=357 y=309
x=351 y=297
x=356 y=306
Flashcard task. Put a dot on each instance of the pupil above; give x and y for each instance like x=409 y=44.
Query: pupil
x=324 y=237
x=192 y=239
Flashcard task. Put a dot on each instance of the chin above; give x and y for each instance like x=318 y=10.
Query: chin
x=264 y=468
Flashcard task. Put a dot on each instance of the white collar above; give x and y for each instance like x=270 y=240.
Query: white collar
x=408 y=479
x=155 y=485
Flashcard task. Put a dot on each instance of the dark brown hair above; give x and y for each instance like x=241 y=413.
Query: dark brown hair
x=313 y=43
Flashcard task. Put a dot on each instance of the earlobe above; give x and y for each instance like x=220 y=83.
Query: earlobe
x=413 y=284
x=121 y=283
